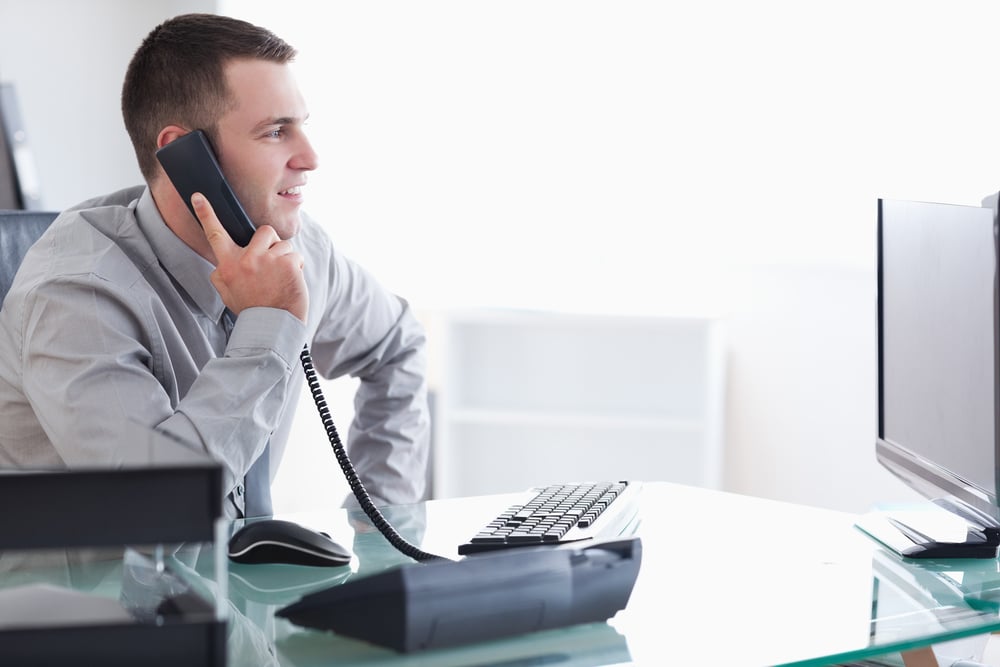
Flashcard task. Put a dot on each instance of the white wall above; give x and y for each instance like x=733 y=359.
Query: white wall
x=611 y=157
x=660 y=158
x=67 y=60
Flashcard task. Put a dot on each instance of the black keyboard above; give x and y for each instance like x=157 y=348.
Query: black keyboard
x=561 y=514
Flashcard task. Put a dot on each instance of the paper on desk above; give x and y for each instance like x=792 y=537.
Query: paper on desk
x=40 y=605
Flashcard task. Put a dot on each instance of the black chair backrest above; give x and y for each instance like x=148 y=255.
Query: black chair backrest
x=18 y=231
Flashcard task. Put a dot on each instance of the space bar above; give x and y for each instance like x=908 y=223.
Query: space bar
x=509 y=539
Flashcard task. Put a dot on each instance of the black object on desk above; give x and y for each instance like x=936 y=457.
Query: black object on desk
x=944 y=529
x=439 y=604
x=162 y=492
x=277 y=541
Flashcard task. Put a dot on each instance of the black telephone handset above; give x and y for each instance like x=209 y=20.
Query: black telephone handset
x=191 y=166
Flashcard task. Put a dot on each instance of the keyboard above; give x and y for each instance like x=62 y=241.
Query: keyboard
x=561 y=514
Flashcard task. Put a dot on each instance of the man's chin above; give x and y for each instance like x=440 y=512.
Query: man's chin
x=286 y=225
x=290 y=234
x=289 y=228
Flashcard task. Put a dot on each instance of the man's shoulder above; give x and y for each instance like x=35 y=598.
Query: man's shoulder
x=106 y=215
x=313 y=241
x=98 y=237
x=119 y=199
x=311 y=229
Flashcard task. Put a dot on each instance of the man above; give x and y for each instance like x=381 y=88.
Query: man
x=129 y=308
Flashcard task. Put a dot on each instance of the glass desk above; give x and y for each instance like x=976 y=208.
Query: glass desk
x=725 y=580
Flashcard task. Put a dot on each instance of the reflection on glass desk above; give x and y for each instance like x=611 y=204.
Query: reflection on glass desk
x=108 y=606
x=725 y=579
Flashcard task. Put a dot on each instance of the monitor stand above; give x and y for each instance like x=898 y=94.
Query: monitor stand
x=945 y=528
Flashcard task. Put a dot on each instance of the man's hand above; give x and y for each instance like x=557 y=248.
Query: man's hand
x=268 y=272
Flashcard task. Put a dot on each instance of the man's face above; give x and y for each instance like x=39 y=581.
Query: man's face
x=261 y=145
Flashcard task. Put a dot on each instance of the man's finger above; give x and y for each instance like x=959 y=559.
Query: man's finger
x=222 y=244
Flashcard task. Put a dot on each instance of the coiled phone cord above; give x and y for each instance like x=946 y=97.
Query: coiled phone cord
x=353 y=481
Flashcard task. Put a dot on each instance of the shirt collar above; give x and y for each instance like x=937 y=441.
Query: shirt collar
x=188 y=269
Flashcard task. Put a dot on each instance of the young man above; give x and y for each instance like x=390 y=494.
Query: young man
x=129 y=308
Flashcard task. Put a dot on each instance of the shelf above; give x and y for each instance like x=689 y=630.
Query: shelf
x=530 y=398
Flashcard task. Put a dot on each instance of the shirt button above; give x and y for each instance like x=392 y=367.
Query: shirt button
x=239 y=489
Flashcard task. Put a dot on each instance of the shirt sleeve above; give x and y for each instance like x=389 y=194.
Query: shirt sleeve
x=95 y=355
x=371 y=334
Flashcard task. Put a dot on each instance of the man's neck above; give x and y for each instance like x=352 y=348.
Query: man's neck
x=179 y=218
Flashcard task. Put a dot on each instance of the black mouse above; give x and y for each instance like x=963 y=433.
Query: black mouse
x=277 y=541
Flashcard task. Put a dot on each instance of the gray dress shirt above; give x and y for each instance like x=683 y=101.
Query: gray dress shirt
x=113 y=318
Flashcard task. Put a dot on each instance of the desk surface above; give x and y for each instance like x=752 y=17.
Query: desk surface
x=725 y=579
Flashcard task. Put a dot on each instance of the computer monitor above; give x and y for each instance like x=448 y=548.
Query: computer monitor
x=937 y=278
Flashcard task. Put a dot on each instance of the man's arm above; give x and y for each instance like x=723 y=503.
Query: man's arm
x=96 y=355
x=368 y=333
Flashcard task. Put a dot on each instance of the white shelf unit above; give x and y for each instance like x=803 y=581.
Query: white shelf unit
x=533 y=398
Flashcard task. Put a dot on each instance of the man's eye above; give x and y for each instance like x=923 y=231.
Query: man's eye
x=276 y=133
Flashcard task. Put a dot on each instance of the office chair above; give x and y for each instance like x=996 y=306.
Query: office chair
x=18 y=231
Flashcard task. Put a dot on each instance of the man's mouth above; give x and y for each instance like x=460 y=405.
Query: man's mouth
x=292 y=192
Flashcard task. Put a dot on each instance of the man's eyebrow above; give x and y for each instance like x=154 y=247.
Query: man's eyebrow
x=283 y=120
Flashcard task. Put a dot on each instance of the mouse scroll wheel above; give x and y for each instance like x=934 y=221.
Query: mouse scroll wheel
x=326 y=535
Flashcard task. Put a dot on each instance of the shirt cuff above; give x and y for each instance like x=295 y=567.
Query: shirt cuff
x=267 y=328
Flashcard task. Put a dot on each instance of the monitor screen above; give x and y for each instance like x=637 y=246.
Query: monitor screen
x=937 y=356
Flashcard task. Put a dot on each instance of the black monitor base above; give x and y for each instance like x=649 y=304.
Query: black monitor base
x=946 y=529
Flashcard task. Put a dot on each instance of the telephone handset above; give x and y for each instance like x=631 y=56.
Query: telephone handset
x=191 y=166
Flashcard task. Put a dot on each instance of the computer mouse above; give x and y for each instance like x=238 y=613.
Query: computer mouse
x=278 y=541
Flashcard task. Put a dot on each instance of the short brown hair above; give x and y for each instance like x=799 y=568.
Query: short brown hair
x=177 y=76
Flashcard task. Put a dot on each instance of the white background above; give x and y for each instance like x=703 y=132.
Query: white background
x=607 y=157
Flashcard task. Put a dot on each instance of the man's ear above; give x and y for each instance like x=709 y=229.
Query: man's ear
x=168 y=134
